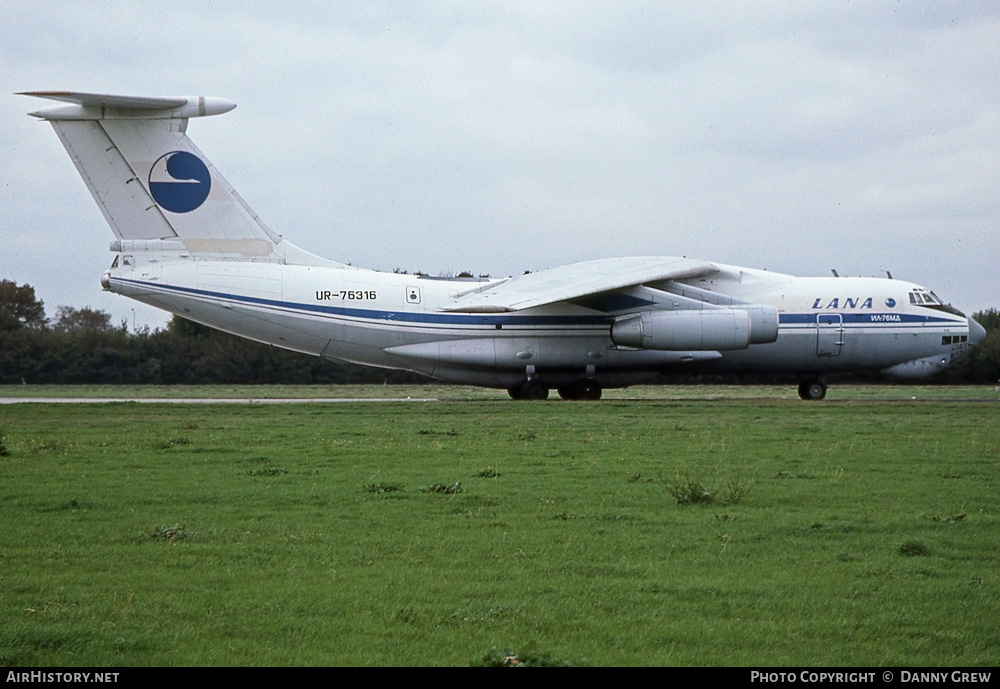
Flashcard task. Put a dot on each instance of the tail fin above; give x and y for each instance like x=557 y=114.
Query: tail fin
x=152 y=183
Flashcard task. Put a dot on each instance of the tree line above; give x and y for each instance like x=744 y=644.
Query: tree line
x=83 y=346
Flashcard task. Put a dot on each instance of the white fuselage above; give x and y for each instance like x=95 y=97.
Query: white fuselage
x=397 y=321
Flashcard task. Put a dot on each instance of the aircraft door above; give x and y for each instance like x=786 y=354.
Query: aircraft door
x=829 y=334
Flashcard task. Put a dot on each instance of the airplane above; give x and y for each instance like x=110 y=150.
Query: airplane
x=187 y=243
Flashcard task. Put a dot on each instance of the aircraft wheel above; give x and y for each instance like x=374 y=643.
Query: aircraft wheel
x=812 y=390
x=534 y=390
x=581 y=390
x=515 y=392
x=587 y=390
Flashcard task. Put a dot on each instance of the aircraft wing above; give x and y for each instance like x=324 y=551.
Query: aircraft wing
x=576 y=280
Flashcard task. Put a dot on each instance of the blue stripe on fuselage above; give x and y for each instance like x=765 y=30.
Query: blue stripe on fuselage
x=379 y=315
x=880 y=318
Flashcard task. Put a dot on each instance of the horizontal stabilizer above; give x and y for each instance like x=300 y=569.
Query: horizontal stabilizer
x=103 y=106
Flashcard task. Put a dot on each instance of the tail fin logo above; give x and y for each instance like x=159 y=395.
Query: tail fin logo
x=179 y=182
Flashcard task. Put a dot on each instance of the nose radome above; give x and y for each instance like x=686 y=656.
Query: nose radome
x=976 y=332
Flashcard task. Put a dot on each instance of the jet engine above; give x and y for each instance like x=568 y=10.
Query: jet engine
x=708 y=329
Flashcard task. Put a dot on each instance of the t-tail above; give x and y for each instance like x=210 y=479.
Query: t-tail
x=157 y=191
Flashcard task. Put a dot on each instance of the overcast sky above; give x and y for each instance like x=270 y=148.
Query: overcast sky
x=497 y=137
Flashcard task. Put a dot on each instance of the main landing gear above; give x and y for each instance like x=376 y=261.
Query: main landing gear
x=589 y=390
x=535 y=389
x=529 y=390
x=812 y=389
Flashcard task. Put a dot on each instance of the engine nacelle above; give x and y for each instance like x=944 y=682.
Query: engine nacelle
x=709 y=329
x=763 y=323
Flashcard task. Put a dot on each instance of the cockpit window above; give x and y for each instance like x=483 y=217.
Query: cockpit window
x=922 y=297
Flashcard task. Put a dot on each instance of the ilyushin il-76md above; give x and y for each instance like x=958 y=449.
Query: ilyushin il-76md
x=187 y=243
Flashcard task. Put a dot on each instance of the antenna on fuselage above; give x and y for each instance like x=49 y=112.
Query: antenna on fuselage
x=835 y=273
x=888 y=274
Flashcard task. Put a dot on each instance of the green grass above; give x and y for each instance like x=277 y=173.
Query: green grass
x=330 y=534
x=460 y=392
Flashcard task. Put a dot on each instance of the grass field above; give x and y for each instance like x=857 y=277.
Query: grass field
x=855 y=531
x=459 y=392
